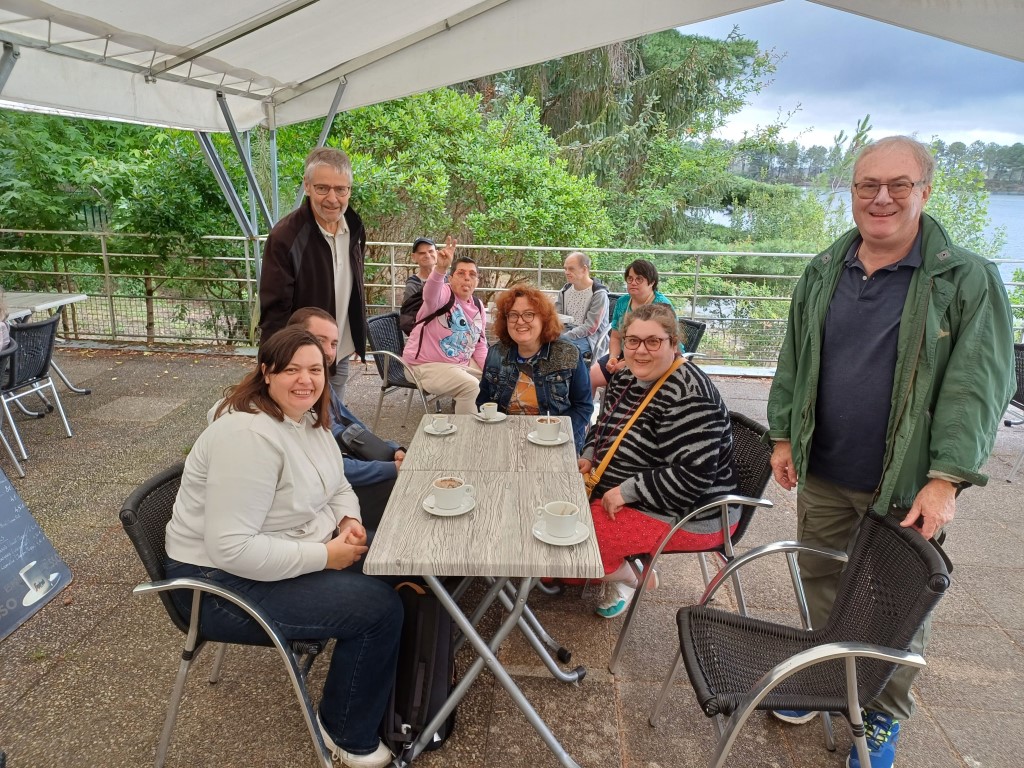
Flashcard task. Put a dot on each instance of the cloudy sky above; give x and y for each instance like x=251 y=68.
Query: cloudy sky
x=839 y=66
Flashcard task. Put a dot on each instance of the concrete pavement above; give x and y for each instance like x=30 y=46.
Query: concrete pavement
x=85 y=681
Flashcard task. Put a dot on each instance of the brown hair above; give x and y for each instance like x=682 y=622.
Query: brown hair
x=551 y=326
x=303 y=316
x=662 y=314
x=252 y=394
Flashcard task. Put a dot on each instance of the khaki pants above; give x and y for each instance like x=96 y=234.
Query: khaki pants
x=459 y=382
x=827 y=515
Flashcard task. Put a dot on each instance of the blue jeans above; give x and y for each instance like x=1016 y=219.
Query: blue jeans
x=362 y=613
x=339 y=381
x=582 y=344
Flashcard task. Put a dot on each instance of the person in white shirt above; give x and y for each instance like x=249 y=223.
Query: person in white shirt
x=264 y=509
x=586 y=301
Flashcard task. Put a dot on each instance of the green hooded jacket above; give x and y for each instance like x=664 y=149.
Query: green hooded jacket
x=954 y=366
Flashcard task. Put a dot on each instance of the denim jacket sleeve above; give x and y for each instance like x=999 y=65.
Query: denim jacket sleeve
x=582 y=403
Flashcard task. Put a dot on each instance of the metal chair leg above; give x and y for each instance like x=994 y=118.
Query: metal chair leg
x=1009 y=477
x=663 y=694
x=218 y=662
x=10 y=450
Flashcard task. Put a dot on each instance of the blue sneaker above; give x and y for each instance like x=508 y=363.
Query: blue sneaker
x=882 y=733
x=794 y=716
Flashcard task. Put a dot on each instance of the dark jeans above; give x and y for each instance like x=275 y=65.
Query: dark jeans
x=362 y=613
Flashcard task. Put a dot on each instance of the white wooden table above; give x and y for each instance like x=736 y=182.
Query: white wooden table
x=511 y=478
x=20 y=305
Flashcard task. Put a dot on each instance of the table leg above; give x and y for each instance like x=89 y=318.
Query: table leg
x=485 y=655
x=60 y=374
x=537 y=637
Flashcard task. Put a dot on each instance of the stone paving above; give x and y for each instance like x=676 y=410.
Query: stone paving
x=86 y=680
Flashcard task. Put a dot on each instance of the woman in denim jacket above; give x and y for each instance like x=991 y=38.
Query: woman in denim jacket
x=530 y=371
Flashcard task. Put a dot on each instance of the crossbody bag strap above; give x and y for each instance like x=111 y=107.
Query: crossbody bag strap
x=595 y=475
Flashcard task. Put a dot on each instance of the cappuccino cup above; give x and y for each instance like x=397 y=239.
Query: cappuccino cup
x=439 y=423
x=560 y=518
x=549 y=428
x=489 y=410
x=34 y=576
x=450 y=492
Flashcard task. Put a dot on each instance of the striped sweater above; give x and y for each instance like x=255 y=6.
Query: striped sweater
x=677 y=454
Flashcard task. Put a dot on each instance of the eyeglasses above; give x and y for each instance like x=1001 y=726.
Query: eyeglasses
x=898 y=190
x=636 y=279
x=515 y=317
x=324 y=189
x=653 y=343
x=471 y=274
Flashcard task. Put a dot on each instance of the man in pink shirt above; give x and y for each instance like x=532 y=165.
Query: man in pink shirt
x=448 y=346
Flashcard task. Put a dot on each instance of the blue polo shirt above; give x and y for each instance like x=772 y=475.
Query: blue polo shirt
x=858 y=364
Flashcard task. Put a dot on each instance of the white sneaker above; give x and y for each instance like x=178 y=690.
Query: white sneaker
x=377 y=759
x=615 y=599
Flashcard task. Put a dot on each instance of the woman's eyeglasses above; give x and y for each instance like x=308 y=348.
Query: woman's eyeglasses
x=515 y=317
x=653 y=343
x=636 y=279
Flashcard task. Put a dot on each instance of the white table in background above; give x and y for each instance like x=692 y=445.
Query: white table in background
x=511 y=477
x=20 y=305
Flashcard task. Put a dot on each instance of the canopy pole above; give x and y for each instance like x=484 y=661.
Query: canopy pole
x=326 y=130
x=275 y=193
x=7 y=62
x=226 y=188
x=247 y=144
x=246 y=166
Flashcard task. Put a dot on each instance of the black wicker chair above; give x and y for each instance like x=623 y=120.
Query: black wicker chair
x=1017 y=402
x=690 y=333
x=29 y=374
x=752 y=456
x=739 y=664
x=6 y=358
x=395 y=374
x=144 y=517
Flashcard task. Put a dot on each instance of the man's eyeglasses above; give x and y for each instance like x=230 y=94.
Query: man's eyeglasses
x=324 y=189
x=515 y=317
x=653 y=343
x=898 y=190
x=465 y=273
x=636 y=279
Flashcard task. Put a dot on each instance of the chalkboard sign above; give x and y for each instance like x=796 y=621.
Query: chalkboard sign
x=31 y=572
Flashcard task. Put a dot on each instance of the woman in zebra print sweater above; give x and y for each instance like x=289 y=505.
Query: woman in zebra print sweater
x=676 y=455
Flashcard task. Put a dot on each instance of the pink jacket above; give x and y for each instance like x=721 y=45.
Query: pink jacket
x=456 y=337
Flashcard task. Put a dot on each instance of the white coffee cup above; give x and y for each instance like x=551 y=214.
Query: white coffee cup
x=560 y=518
x=34 y=576
x=439 y=423
x=450 y=492
x=489 y=411
x=549 y=428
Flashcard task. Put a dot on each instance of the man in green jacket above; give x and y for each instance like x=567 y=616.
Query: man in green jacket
x=895 y=371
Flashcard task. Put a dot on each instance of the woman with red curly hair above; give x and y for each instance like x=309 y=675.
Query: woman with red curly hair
x=530 y=370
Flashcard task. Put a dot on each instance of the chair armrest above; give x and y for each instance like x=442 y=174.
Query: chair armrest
x=775 y=547
x=410 y=374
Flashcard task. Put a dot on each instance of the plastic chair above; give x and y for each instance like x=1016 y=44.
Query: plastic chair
x=30 y=372
x=144 y=516
x=1017 y=402
x=737 y=664
x=395 y=374
x=752 y=456
x=6 y=358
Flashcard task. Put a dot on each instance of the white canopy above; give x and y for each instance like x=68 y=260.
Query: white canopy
x=162 y=63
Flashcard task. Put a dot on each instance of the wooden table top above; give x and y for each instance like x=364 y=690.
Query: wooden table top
x=37 y=302
x=494 y=538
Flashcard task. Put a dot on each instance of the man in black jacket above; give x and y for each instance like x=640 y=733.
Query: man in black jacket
x=313 y=257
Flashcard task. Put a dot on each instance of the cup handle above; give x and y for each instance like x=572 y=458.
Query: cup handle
x=540 y=511
x=468 y=490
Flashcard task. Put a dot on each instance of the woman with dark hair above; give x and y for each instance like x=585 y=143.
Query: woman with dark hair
x=530 y=370
x=264 y=508
x=661 y=446
x=641 y=288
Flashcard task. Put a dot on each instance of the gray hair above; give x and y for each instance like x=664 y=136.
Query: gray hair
x=583 y=259
x=335 y=158
x=920 y=151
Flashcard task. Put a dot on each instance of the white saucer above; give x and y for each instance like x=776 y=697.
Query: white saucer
x=34 y=597
x=562 y=438
x=497 y=418
x=580 y=535
x=429 y=429
x=468 y=502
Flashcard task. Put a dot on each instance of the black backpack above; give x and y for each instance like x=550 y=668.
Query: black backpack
x=410 y=308
x=426 y=671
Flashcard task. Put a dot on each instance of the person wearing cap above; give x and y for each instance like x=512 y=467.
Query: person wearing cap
x=424 y=253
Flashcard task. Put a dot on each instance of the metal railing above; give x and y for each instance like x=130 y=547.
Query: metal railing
x=160 y=290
